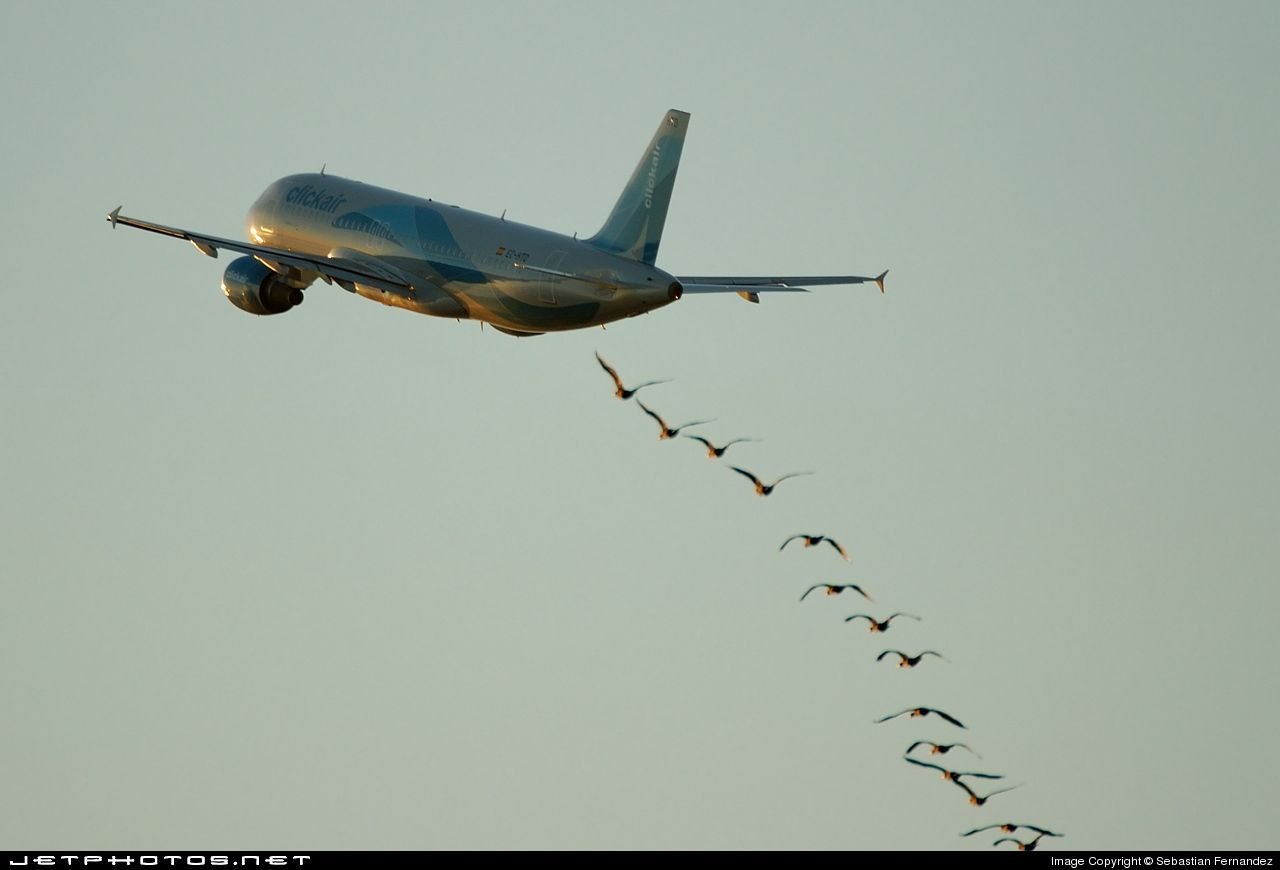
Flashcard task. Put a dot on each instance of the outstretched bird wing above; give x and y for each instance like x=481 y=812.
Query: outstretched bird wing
x=746 y=474
x=617 y=382
x=705 y=442
x=787 y=476
x=810 y=589
x=858 y=616
x=923 y=763
x=980 y=830
x=650 y=384
x=839 y=549
x=954 y=721
x=694 y=423
x=859 y=590
x=789 y=540
x=645 y=408
x=890 y=652
x=892 y=716
x=1041 y=831
x=992 y=794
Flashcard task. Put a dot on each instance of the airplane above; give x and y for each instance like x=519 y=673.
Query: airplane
x=442 y=260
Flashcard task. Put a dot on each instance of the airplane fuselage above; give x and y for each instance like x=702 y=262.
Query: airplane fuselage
x=458 y=263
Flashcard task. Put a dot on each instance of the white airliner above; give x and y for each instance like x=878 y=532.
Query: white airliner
x=439 y=259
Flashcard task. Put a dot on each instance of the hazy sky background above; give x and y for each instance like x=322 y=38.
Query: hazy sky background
x=354 y=578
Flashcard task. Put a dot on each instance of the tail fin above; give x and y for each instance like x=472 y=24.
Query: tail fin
x=634 y=227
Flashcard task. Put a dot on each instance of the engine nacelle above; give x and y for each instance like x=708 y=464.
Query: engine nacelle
x=251 y=286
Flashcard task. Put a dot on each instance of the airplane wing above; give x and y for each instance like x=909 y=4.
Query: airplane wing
x=344 y=273
x=749 y=287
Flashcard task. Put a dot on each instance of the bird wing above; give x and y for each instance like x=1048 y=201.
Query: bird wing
x=887 y=652
x=810 y=589
x=792 y=474
x=857 y=616
x=694 y=423
x=893 y=716
x=908 y=615
x=1008 y=840
x=859 y=590
x=918 y=743
x=736 y=441
x=789 y=540
x=1000 y=791
x=923 y=763
x=982 y=775
x=645 y=408
x=699 y=438
x=746 y=474
x=839 y=549
x=1041 y=831
x=954 y=721
x=608 y=368
x=650 y=384
x=980 y=830
x=965 y=787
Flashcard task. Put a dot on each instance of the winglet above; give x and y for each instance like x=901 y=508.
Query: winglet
x=114 y=216
x=880 y=280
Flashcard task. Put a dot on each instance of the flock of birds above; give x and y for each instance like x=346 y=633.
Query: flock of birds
x=876 y=626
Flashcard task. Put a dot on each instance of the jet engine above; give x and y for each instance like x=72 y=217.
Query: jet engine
x=251 y=286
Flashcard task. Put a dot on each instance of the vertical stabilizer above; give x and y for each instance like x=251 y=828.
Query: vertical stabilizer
x=634 y=227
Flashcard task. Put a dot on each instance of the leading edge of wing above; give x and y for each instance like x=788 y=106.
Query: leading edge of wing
x=772 y=283
x=343 y=272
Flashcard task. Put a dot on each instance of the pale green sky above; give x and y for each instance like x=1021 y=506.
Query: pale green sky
x=356 y=578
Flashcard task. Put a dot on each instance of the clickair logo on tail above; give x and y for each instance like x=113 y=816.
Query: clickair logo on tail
x=309 y=197
x=652 y=181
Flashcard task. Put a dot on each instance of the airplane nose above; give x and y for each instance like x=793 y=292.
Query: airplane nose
x=675 y=291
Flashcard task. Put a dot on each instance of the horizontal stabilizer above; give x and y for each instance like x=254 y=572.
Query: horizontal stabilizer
x=740 y=289
x=779 y=282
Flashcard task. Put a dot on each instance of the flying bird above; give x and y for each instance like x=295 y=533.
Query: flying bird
x=978 y=801
x=951 y=774
x=714 y=452
x=837 y=589
x=814 y=540
x=878 y=627
x=940 y=749
x=1029 y=846
x=906 y=661
x=667 y=431
x=761 y=487
x=922 y=711
x=619 y=390
x=1011 y=827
